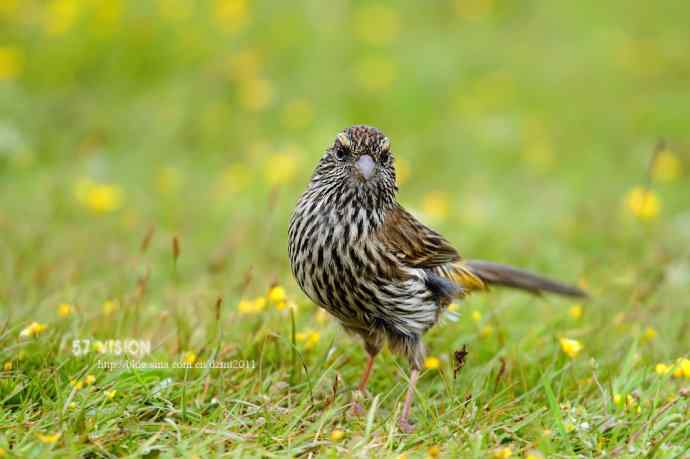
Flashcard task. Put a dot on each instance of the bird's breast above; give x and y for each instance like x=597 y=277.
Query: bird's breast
x=333 y=255
x=342 y=264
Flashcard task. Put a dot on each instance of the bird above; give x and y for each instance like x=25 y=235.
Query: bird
x=386 y=277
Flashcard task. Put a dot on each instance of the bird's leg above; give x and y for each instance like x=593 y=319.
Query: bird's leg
x=404 y=422
x=372 y=343
x=367 y=371
x=357 y=409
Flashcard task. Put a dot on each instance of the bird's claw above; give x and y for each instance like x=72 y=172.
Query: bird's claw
x=357 y=409
x=405 y=426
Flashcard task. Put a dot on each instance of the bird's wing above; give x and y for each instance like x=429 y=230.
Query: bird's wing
x=418 y=246
x=415 y=244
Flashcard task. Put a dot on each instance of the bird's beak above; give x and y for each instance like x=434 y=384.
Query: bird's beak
x=366 y=166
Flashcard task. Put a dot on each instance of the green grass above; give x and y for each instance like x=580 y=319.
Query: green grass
x=523 y=131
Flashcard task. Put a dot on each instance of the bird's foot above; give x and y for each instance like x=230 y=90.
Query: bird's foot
x=405 y=426
x=357 y=409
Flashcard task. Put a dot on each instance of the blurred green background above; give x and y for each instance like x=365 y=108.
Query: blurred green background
x=518 y=126
x=526 y=131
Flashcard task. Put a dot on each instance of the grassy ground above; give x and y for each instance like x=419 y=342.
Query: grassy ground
x=524 y=131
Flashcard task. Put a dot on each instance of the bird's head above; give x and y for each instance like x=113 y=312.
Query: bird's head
x=360 y=161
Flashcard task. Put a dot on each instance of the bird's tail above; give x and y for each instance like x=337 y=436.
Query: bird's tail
x=477 y=274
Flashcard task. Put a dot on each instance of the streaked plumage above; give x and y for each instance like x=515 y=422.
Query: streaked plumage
x=383 y=274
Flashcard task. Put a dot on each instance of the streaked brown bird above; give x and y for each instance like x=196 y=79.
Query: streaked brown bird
x=381 y=273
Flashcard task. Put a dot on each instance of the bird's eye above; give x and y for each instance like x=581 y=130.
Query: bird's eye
x=341 y=153
x=385 y=154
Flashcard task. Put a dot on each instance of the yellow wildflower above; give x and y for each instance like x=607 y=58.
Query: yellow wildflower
x=310 y=338
x=682 y=368
x=103 y=198
x=60 y=16
x=297 y=114
x=337 y=435
x=34 y=329
x=376 y=24
x=64 y=309
x=7 y=366
x=643 y=203
x=436 y=205
x=666 y=167
x=287 y=305
x=649 y=334
x=676 y=370
x=107 y=16
x=632 y=404
x=617 y=399
x=434 y=451
x=11 y=62
x=8 y=7
x=255 y=94
x=110 y=394
x=190 y=358
x=49 y=439
x=432 y=363
x=90 y=379
x=503 y=453
x=277 y=295
x=282 y=167
x=259 y=303
x=248 y=307
x=109 y=307
x=98 y=197
x=685 y=365
x=476 y=316
x=486 y=331
x=576 y=311
x=76 y=384
x=570 y=347
x=662 y=368
x=569 y=427
x=231 y=15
